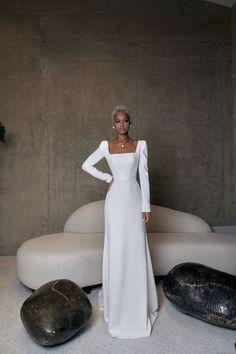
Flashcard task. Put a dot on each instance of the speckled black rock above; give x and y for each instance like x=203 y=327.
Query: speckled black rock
x=203 y=292
x=55 y=312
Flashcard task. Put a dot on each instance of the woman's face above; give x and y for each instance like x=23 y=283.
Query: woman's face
x=121 y=123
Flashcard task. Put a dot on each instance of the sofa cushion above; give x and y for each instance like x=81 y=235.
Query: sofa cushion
x=163 y=220
x=78 y=256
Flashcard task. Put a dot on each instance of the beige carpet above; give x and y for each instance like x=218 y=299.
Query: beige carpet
x=174 y=332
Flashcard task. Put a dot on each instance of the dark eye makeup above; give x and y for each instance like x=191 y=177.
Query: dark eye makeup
x=118 y=121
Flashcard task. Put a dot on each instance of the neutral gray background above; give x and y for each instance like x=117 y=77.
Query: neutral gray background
x=65 y=64
x=233 y=21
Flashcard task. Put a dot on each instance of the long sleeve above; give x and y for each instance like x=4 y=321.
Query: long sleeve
x=87 y=166
x=144 y=177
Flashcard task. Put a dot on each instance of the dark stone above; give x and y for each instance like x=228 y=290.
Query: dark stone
x=203 y=292
x=55 y=312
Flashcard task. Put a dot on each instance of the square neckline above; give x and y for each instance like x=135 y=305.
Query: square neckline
x=123 y=153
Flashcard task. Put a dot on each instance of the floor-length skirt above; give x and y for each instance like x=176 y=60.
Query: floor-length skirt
x=128 y=296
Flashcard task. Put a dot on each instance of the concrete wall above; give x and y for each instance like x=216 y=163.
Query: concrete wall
x=64 y=65
x=233 y=22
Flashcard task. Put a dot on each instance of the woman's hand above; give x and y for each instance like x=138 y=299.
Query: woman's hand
x=110 y=183
x=146 y=216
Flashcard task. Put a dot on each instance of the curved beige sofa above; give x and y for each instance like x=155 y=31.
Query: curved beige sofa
x=76 y=253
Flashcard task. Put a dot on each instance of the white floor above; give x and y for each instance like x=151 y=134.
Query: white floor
x=174 y=332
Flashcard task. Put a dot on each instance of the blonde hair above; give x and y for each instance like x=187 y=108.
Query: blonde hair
x=120 y=108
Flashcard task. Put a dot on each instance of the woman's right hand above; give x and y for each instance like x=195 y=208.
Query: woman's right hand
x=110 y=183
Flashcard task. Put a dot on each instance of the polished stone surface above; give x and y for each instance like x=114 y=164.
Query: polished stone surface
x=55 y=312
x=203 y=292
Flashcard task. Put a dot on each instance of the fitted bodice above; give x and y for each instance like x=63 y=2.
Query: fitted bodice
x=122 y=165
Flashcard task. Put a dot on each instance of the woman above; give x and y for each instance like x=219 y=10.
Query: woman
x=128 y=296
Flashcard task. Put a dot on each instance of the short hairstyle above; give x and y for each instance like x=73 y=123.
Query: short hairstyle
x=120 y=108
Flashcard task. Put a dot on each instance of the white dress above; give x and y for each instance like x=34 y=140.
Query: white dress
x=128 y=296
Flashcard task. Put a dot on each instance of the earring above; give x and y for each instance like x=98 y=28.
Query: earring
x=113 y=127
